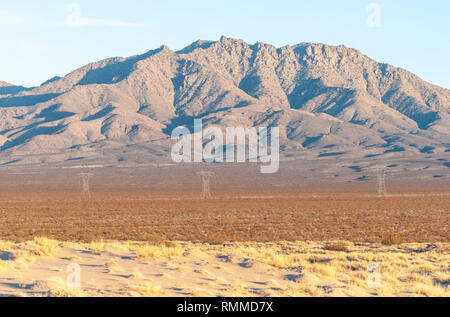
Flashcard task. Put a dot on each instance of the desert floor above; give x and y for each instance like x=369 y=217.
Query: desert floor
x=140 y=217
x=129 y=243
x=43 y=267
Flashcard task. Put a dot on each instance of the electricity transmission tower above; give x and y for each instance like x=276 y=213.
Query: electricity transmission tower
x=85 y=179
x=381 y=187
x=206 y=179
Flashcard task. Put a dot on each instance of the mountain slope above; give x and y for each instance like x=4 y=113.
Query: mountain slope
x=4 y=84
x=327 y=101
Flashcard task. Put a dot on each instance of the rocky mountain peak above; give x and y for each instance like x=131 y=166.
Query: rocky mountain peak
x=326 y=99
x=4 y=84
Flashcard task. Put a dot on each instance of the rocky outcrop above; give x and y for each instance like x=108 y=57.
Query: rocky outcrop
x=324 y=98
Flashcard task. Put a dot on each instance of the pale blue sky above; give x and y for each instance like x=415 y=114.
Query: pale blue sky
x=37 y=44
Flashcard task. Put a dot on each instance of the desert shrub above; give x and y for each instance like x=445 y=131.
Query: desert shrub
x=96 y=246
x=336 y=246
x=157 y=251
x=45 y=246
x=149 y=290
x=57 y=288
x=392 y=239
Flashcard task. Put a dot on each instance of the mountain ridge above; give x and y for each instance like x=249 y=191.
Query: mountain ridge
x=325 y=99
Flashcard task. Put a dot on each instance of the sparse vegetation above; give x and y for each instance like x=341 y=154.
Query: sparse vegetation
x=146 y=290
x=57 y=288
x=148 y=251
x=45 y=247
x=258 y=269
x=352 y=218
x=392 y=239
x=307 y=247
x=339 y=246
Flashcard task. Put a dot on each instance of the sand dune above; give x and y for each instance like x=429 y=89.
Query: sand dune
x=44 y=267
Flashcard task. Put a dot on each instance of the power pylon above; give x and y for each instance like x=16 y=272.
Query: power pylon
x=381 y=187
x=85 y=179
x=206 y=179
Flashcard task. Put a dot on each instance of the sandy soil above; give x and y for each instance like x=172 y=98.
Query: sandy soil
x=44 y=267
x=357 y=218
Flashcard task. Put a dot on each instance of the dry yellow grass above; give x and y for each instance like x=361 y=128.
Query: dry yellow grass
x=19 y=256
x=111 y=266
x=148 y=251
x=95 y=246
x=4 y=266
x=145 y=290
x=296 y=268
x=57 y=288
x=406 y=270
x=392 y=239
x=339 y=246
x=45 y=247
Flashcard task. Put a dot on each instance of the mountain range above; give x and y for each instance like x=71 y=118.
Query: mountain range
x=330 y=103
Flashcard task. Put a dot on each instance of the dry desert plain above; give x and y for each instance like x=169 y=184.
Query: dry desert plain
x=266 y=242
